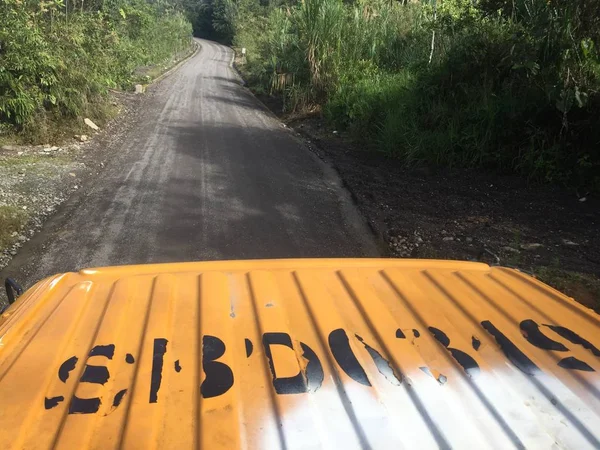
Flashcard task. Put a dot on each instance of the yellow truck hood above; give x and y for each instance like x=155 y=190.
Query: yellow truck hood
x=361 y=353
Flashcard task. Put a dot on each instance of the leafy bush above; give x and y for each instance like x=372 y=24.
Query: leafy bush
x=509 y=85
x=57 y=60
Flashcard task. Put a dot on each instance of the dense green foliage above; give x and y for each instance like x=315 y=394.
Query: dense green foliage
x=58 y=57
x=511 y=85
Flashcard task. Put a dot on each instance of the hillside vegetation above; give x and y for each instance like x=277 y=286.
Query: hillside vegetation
x=59 y=57
x=508 y=85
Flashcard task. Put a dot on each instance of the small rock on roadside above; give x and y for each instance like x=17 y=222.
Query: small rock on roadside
x=91 y=124
x=468 y=239
x=531 y=246
x=448 y=239
x=568 y=242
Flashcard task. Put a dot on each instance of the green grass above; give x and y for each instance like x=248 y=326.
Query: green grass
x=57 y=68
x=583 y=287
x=149 y=73
x=33 y=160
x=509 y=87
x=12 y=219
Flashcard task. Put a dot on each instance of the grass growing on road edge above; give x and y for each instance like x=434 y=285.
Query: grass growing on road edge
x=148 y=74
x=583 y=287
x=12 y=220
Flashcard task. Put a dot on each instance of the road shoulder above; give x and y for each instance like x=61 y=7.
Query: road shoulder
x=38 y=182
x=461 y=214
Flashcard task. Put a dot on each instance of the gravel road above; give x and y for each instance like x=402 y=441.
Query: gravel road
x=207 y=173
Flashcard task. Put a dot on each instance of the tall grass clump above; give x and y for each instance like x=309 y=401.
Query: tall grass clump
x=506 y=85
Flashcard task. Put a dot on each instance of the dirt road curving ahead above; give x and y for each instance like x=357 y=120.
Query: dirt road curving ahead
x=206 y=174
